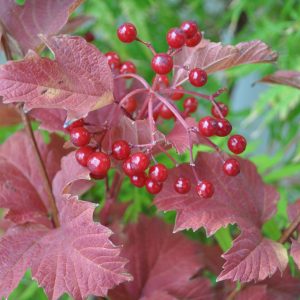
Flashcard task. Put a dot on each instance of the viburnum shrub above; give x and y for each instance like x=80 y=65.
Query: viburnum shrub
x=113 y=127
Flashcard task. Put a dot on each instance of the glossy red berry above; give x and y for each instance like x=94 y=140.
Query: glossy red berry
x=231 y=167
x=139 y=162
x=237 y=144
x=190 y=105
x=127 y=67
x=130 y=105
x=163 y=80
x=127 y=33
x=176 y=38
x=194 y=41
x=190 y=28
x=77 y=123
x=153 y=186
x=223 y=108
x=207 y=126
x=182 y=185
x=98 y=177
x=113 y=60
x=98 y=163
x=165 y=112
x=120 y=150
x=158 y=172
x=80 y=136
x=89 y=37
x=127 y=168
x=223 y=127
x=162 y=63
x=82 y=155
x=177 y=94
x=198 y=77
x=205 y=189
x=138 y=180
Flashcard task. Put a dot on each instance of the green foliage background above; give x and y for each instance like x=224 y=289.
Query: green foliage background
x=268 y=116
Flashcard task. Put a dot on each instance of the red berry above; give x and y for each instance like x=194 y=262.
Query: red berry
x=163 y=80
x=177 y=94
x=113 y=60
x=89 y=37
x=194 y=41
x=127 y=67
x=207 y=126
x=138 y=180
x=237 y=144
x=231 y=167
x=205 y=189
x=98 y=163
x=223 y=108
x=139 y=162
x=198 y=77
x=77 y=123
x=223 y=127
x=190 y=105
x=158 y=172
x=190 y=28
x=80 y=136
x=162 y=63
x=127 y=33
x=98 y=177
x=82 y=155
x=130 y=105
x=153 y=186
x=176 y=38
x=120 y=150
x=165 y=112
x=182 y=185
x=127 y=168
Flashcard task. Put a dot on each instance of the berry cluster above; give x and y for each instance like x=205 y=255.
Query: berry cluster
x=160 y=102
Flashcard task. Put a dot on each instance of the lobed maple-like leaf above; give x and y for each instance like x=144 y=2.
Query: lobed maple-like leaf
x=213 y=57
x=275 y=288
x=79 y=80
x=77 y=258
x=243 y=200
x=253 y=257
x=25 y=22
x=284 y=77
x=22 y=189
x=161 y=263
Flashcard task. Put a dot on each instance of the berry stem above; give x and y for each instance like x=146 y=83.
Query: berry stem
x=168 y=155
x=290 y=230
x=135 y=76
x=148 y=45
x=41 y=166
x=132 y=93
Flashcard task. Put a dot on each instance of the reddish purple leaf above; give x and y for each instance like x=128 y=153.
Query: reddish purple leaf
x=77 y=258
x=179 y=136
x=284 y=77
x=161 y=263
x=213 y=57
x=22 y=189
x=79 y=80
x=75 y=22
x=295 y=252
x=275 y=288
x=25 y=22
x=253 y=257
x=9 y=115
x=244 y=200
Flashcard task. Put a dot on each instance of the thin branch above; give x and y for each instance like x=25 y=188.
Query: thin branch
x=290 y=230
x=41 y=166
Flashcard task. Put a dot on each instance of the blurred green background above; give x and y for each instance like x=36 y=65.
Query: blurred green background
x=268 y=115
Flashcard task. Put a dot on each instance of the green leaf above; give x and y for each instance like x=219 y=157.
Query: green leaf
x=224 y=238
